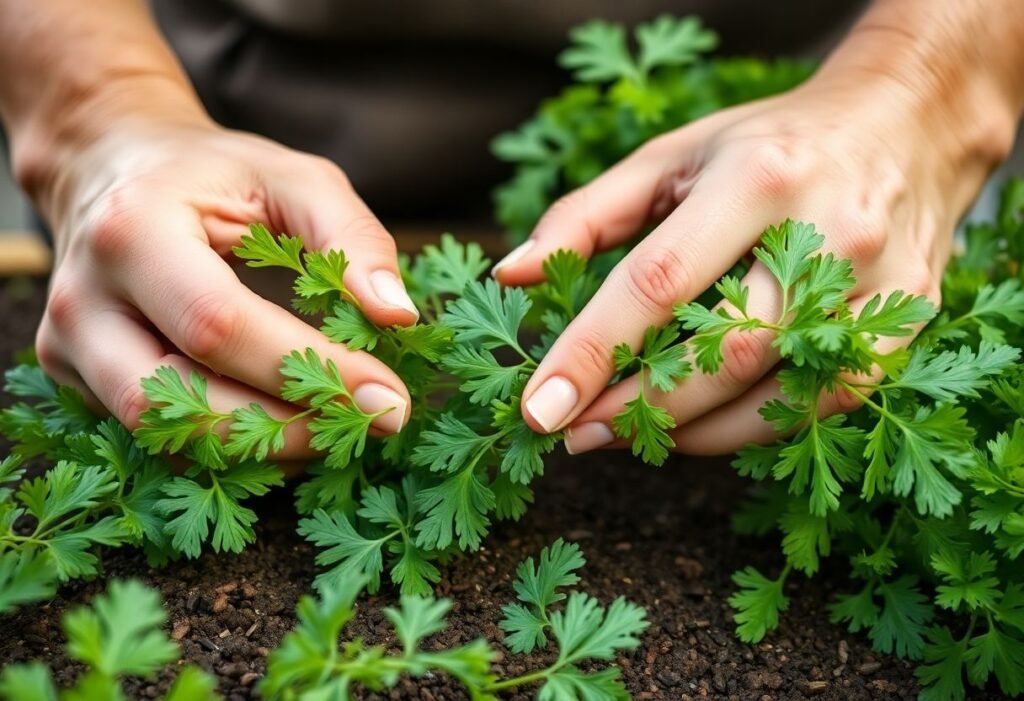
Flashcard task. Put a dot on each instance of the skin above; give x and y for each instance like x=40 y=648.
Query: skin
x=146 y=195
x=883 y=150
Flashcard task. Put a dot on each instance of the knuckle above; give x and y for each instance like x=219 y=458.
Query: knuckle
x=128 y=401
x=326 y=168
x=658 y=279
x=776 y=168
x=744 y=356
x=592 y=356
x=210 y=327
x=64 y=305
x=114 y=227
x=922 y=281
x=864 y=237
x=365 y=230
x=843 y=401
x=48 y=350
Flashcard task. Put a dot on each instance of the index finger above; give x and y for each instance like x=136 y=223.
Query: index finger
x=684 y=255
x=197 y=302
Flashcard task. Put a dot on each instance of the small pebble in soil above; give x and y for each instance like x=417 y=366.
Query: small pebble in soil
x=180 y=630
x=814 y=688
x=868 y=667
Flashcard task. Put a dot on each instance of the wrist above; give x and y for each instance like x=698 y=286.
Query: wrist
x=51 y=142
x=940 y=112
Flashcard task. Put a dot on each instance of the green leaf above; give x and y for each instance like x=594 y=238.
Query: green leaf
x=324 y=275
x=27 y=682
x=599 y=53
x=895 y=317
x=949 y=375
x=255 y=433
x=537 y=585
x=587 y=631
x=450 y=446
x=179 y=411
x=120 y=634
x=450 y=267
x=648 y=426
x=757 y=604
x=347 y=325
x=194 y=507
x=969 y=580
x=341 y=430
x=483 y=378
x=995 y=651
x=25 y=577
x=311 y=380
x=942 y=673
x=260 y=249
x=823 y=456
x=806 y=537
x=572 y=684
x=786 y=250
x=664 y=359
x=458 y=506
x=668 y=41
x=425 y=340
x=487 y=315
x=903 y=620
x=931 y=439
x=346 y=550
x=193 y=684
x=417 y=618
x=30 y=381
x=524 y=451
x=710 y=327
x=859 y=611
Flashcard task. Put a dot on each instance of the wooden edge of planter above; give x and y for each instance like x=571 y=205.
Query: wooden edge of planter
x=23 y=253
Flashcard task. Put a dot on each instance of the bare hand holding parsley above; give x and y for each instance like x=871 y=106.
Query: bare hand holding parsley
x=883 y=150
x=146 y=196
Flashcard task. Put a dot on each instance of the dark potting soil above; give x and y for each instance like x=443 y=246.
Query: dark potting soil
x=661 y=537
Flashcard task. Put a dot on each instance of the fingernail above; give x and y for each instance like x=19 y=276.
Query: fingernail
x=373 y=398
x=517 y=253
x=391 y=291
x=587 y=437
x=551 y=404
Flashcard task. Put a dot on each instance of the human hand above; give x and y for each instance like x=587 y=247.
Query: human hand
x=144 y=221
x=883 y=166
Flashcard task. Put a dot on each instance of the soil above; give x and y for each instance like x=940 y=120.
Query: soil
x=660 y=537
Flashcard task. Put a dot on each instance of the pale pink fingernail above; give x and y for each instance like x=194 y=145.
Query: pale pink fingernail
x=517 y=253
x=373 y=398
x=588 y=436
x=552 y=403
x=391 y=291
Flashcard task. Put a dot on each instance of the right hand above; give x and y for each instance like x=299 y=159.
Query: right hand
x=144 y=217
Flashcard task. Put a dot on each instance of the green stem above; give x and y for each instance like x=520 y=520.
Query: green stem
x=540 y=675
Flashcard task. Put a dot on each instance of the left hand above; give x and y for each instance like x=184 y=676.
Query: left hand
x=872 y=162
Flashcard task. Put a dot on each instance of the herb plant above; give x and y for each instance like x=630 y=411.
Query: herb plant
x=918 y=492
x=308 y=663
x=623 y=96
x=119 y=636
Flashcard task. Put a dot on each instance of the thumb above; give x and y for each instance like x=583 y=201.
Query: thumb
x=610 y=209
x=330 y=215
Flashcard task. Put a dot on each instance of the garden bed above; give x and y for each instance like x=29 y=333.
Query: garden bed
x=661 y=537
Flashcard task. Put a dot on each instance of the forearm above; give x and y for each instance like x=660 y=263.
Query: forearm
x=71 y=69
x=958 y=66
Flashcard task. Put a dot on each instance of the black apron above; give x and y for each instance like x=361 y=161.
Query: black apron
x=405 y=95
